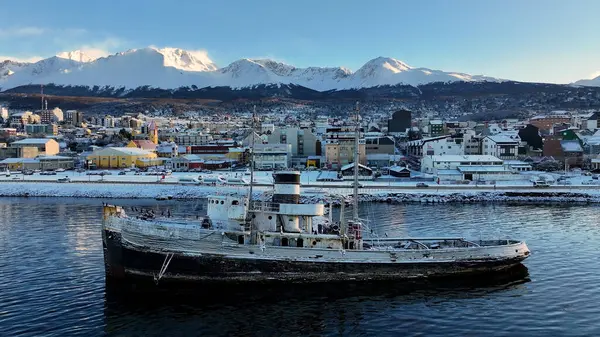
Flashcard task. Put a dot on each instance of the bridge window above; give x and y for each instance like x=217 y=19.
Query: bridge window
x=284 y=242
x=300 y=243
x=235 y=202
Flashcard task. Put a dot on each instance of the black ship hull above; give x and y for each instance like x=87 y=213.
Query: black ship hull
x=125 y=263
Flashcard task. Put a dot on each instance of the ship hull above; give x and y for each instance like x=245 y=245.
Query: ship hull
x=124 y=262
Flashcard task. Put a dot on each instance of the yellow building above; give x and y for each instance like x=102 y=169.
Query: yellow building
x=123 y=157
x=341 y=152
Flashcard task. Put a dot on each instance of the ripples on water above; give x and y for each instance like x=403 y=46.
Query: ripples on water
x=52 y=280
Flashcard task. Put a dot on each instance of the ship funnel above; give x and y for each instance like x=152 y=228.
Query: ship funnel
x=286 y=189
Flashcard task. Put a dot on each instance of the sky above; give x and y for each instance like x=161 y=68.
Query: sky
x=554 y=41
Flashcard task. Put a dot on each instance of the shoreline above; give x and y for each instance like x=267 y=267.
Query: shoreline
x=189 y=192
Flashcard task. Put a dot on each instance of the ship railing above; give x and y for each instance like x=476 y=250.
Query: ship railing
x=420 y=240
x=263 y=206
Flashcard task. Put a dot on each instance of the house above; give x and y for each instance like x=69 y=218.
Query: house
x=399 y=172
x=364 y=172
x=170 y=150
x=572 y=153
x=501 y=146
x=591 y=123
x=45 y=146
x=123 y=157
x=517 y=165
x=596 y=164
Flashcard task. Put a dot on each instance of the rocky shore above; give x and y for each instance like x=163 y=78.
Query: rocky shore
x=183 y=192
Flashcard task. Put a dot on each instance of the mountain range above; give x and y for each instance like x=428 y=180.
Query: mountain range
x=171 y=68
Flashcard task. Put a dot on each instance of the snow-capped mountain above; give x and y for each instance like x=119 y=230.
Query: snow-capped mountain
x=76 y=55
x=8 y=68
x=170 y=68
x=594 y=82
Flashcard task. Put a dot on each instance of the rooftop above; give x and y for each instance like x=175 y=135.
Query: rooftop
x=470 y=158
x=36 y=141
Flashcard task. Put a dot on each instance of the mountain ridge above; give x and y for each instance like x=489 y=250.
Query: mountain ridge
x=171 y=68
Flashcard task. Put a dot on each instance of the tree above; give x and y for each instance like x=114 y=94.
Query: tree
x=547 y=166
x=414 y=135
x=531 y=135
x=125 y=135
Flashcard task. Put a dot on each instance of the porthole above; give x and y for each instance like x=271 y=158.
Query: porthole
x=270 y=217
x=222 y=202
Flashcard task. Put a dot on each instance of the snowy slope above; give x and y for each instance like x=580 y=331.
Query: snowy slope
x=76 y=55
x=594 y=82
x=8 y=68
x=171 y=68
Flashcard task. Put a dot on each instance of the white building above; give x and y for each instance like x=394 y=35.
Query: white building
x=436 y=146
x=467 y=167
x=272 y=156
x=267 y=128
x=502 y=146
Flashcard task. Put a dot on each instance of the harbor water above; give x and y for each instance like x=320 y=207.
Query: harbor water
x=52 y=279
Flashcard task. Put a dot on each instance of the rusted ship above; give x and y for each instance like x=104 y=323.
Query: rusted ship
x=245 y=240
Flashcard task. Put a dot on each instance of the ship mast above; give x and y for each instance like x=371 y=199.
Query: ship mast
x=252 y=157
x=356 y=159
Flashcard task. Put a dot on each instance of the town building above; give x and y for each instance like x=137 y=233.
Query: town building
x=272 y=156
x=74 y=117
x=435 y=146
x=196 y=138
x=466 y=167
x=339 y=147
x=41 y=129
x=547 y=122
x=45 y=146
x=501 y=146
x=123 y=157
x=304 y=143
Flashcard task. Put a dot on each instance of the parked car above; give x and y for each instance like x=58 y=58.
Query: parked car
x=122 y=173
x=422 y=185
x=595 y=177
x=48 y=173
x=60 y=170
x=64 y=180
x=28 y=172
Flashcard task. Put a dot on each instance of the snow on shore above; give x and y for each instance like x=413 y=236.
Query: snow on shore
x=153 y=190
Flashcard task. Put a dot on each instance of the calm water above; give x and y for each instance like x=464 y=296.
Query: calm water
x=52 y=280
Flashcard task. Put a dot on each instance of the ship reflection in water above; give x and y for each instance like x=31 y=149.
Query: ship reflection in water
x=293 y=309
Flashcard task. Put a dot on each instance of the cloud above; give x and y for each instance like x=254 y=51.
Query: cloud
x=594 y=75
x=30 y=59
x=21 y=32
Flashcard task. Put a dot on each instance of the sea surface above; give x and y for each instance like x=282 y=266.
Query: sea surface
x=52 y=280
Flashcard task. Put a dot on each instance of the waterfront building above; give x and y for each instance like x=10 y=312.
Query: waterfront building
x=272 y=156
x=45 y=146
x=123 y=157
